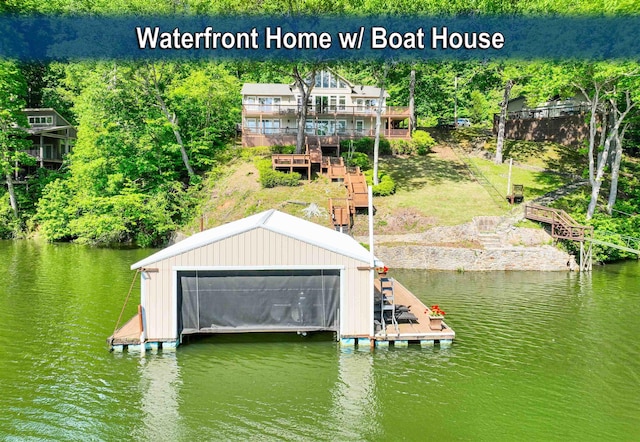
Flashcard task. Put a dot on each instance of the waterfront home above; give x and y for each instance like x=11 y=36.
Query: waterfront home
x=51 y=137
x=337 y=110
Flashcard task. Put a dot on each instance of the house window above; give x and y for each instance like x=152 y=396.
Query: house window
x=251 y=124
x=270 y=126
x=322 y=103
x=49 y=152
x=325 y=80
x=326 y=127
x=310 y=128
x=359 y=127
x=41 y=121
x=269 y=104
x=342 y=103
x=333 y=101
x=250 y=103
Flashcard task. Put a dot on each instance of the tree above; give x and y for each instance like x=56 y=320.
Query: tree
x=376 y=143
x=12 y=120
x=304 y=83
x=152 y=81
x=501 y=122
x=412 y=100
x=600 y=83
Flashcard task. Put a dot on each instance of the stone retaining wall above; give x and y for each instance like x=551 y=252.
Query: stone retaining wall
x=541 y=258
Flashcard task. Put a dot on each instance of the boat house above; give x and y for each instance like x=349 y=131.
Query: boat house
x=269 y=272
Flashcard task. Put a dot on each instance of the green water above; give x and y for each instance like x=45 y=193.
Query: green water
x=538 y=356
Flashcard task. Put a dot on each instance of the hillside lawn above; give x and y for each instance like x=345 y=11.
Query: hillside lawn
x=437 y=189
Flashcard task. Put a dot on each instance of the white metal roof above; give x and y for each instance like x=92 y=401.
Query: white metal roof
x=275 y=221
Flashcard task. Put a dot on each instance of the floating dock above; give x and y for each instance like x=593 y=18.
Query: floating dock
x=417 y=330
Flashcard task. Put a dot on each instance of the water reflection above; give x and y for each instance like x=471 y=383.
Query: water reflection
x=355 y=408
x=160 y=386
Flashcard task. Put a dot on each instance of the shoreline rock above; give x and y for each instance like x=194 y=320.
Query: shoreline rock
x=541 y=258
x=485 y=244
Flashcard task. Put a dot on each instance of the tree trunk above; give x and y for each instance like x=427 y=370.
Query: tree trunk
x=412 y=105
x=376 y=144
x=615 y=173
x=613 y=136
x=618 y=137
x=176 y=132
x=305 y=92
x=171 y=118
x=501 y=123
x=12 y=195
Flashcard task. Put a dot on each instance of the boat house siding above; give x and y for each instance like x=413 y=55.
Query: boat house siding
x=258 y=248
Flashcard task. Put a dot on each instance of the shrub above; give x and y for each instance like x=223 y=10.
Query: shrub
x=357 y=159
x=423 y=142
x=248 y=153
x=386 y=186
x=283 y=149
x=402 y=147
x=365 y=145
x=272 y=178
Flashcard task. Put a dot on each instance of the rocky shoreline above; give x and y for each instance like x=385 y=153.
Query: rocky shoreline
x=485 y=244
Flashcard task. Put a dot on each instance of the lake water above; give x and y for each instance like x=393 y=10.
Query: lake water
x=538 y=356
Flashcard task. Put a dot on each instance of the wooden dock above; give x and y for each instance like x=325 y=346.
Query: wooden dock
x=417 y=330
x=129 y=333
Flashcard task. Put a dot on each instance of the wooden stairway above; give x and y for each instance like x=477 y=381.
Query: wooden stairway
x=562 y=225
x=341 y=211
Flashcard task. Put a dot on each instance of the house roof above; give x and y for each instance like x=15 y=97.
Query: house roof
x=266 y=89
x=368 y=91
x=274 y=221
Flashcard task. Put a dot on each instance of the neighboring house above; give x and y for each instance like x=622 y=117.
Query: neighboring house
x=51 y=138
x=560 y=120
x=337 y=110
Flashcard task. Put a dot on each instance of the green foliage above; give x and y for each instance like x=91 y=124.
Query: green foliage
x=423 y=142
x=358 y=159
x=617 y=228
x=283 y=149
x=386 y=185
x=10 y=226
x=272 y=178
x=402 y=147
x=478 y=107
x=249 y=153
x=365 y=145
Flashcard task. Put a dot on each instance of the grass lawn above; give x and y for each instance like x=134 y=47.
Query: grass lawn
x=437 y=188
x=236 y=193
x=535 y=183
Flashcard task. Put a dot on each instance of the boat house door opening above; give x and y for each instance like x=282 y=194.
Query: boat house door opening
x=273 y=300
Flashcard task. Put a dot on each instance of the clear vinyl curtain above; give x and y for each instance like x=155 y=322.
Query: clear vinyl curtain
x=258 y=300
